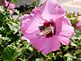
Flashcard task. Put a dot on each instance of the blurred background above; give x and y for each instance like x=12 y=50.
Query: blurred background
x=66 y=3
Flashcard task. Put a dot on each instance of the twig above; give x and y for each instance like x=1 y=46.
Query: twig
x=30 y=56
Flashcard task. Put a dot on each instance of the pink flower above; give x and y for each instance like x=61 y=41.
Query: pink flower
x=78 y=24
x=10 y=5
x=47 y=27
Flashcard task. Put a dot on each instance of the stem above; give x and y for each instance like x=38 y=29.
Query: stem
x=30 y=56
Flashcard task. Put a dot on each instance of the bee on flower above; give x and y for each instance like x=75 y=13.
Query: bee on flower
x=47 y=27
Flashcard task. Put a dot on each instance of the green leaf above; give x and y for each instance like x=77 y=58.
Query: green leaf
x=15 y=1
x=77 y=35
x=73 y=20
x=39 y=59
x=9 y=54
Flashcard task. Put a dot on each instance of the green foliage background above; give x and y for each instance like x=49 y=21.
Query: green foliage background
x=13 y=48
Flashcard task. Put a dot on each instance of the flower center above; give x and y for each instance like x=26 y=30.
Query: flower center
x=48 y=29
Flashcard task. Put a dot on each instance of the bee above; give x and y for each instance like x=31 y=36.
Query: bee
x=46 y=30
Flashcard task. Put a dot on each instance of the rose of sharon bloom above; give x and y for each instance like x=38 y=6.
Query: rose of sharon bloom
x=47 y=27
x=78 y=24
x=10 y=5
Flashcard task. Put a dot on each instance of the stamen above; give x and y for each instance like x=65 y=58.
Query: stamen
x=48 y=29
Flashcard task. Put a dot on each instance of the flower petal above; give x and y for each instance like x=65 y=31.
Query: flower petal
x=46 y=45
x=64 y=40
x=34 y=26
x=32 y=35
x=25 y=22
x=11 y=12
x=78 y=25
x=24 y=17
x=36 y=13
x=4 y=3
x=30 y=23
x=12 y=6
x=58 y=24
x=51 y=10
x=67 y=31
